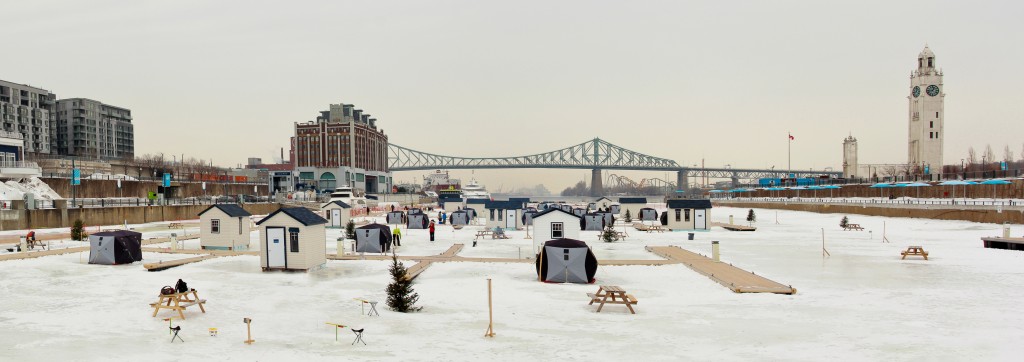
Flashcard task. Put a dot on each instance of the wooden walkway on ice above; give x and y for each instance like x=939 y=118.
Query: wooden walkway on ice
x=739 y=280
x=415 y=270
x=733 y=227
x=161 y=265
x=36 y=254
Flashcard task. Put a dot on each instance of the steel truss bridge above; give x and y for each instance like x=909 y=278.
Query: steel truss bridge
x=595 y=154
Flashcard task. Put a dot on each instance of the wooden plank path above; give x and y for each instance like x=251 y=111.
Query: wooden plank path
x=36 y=254
x=739 y=280
x=415 y=270
x=733 y=227
x=161 y=265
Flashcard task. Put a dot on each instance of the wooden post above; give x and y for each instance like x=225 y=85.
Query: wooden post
x=490 y=311
x=248 y=330
x=824 y=252
x=885 y=239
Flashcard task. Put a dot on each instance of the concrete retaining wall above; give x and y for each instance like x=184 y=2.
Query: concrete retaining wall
x=56 y=218
x=992 y=215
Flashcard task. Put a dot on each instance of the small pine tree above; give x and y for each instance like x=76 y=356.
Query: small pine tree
x=78 y=230
x=350 y=230
x=608 y=234
x=751 y=217
x=401 y=297
x=844 y=222
x=628 y=217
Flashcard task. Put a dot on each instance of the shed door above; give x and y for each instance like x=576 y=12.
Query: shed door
x=510 y=219
x=335 y=217
x=275 y=248
x=699 y=221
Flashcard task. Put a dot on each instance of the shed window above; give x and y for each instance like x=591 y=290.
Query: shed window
x=687 y=215
x=557 y=230
x=500 y=215
x=492 y=214
x=293 y=238
x=215 y=226
x=678 y=213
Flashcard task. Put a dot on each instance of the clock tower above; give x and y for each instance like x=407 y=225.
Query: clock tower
x=926 y=115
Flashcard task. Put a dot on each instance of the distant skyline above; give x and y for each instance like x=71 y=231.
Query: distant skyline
x=722 y=82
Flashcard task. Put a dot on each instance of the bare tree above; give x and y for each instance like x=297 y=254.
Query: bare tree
x=989 y=157
x=907 y=169
x=972 y=157
x=1007 y=154
x=890 y=170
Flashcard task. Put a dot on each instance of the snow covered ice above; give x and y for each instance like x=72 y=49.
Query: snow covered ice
x=862 y=303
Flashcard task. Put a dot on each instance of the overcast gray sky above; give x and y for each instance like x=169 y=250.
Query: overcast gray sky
x=719 y=81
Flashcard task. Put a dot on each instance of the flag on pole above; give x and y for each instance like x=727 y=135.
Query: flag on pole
x=791 y=137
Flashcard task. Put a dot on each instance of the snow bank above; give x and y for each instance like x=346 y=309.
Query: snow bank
x=14 y=190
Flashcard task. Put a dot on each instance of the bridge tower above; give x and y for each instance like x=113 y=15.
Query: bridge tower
x=596 y=186
x=682 y=181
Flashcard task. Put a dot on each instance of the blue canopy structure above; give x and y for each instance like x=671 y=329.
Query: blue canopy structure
x=958 y=183
x=995 y=182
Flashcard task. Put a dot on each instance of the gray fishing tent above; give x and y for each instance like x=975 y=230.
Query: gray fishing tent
x=592 y=222
x=648 y=214
x=566 y=261
x=417 y=221
x=579 y=212
x=471 y=212
x=395 y=218
x=460 y=217
x=528 y=217
x=369 y=238
x=609 y=218
x=615 y=209
x=415 y=211
x=115 y=247
x=566 y=208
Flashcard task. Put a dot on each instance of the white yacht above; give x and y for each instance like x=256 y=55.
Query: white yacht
x=473 y=190
x=347 y=195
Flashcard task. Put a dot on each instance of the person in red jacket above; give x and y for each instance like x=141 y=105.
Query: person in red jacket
x=431 y=228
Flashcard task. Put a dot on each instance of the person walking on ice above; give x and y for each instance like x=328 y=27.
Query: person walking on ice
x=396 y=234
x=431 y=228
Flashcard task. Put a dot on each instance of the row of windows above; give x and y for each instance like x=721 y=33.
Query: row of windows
x=933 y=135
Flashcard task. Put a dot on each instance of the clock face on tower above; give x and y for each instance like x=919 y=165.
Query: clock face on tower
x=917 y=91
x=933 y=90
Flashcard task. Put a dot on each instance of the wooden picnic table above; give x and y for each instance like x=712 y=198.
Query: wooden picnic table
x=483 y=233
x=174 y=225
x=654 y=228
x=853 y=227
x=914 y=250
x=616 y=294
x=180 y=301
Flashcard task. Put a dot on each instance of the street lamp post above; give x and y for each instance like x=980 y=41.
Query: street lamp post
x=963 y=170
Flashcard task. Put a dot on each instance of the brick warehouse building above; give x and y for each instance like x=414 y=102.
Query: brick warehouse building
x=342 y=147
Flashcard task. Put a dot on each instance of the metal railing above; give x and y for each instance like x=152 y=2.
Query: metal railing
x=870 y=201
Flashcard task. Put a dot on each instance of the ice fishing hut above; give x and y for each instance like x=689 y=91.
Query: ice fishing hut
x=603 y=203
x=293 y=238
x=592 y=222
x=504 y=214
x=633 y=204
x=115 y=247
x=579 y=212
x=460 y=217
x=417 y=221
x=337 y=212
x=647 y=214
x=528 y=216
x=477 y=205
x=566 y=207
x=224 y=227
x=369 y=238
x=609 y=218
x=450 y=203
x=686 y=214
x=566 y=261
x=395 y=218
x=554 y=223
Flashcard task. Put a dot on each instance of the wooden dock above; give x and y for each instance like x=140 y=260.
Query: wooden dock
x=36 y=254
x=998 y=242
x=739 y=280
x=733 y=227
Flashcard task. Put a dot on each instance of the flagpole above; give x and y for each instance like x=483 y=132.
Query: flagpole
x=789 y=154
